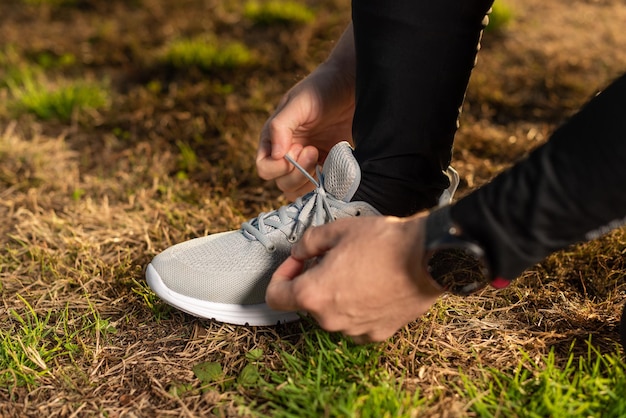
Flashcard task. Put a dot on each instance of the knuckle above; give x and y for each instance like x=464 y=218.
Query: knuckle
x=315 y=306
x=274 y=125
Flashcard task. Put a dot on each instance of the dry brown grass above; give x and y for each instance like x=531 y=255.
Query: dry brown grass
x=84 y=206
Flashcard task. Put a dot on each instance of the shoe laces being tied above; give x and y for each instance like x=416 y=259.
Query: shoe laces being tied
x=314 y=208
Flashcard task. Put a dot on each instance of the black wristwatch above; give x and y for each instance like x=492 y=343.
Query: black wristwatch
x=454 y=261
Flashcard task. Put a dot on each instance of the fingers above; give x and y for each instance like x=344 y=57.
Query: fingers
x=284 y=291
x=328 y=298
x=278 y=130
x=277 y=140
x=280 y=294
x=291 y=181
x=270 y=168
x=318 y=240
x=294 y=182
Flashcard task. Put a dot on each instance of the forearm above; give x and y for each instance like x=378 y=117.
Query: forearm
x=343 y=56
x=569 y=190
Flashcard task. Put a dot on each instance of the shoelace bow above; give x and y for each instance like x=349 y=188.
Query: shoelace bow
x=287 y=219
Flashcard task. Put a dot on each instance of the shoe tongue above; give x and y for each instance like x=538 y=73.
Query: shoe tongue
x=341 y=171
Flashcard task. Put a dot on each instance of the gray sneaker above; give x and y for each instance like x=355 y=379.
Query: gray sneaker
x=224 y=276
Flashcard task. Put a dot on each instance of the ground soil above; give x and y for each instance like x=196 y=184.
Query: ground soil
x=96 y=198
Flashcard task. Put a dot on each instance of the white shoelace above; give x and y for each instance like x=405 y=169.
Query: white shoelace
x=287 y=219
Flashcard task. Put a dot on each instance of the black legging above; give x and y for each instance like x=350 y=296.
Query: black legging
x=414 y=60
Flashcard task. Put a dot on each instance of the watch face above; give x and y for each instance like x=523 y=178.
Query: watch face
x=459 y=270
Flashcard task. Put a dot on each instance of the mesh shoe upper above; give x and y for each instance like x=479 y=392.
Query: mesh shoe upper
x=225 y=276
x=235 y=267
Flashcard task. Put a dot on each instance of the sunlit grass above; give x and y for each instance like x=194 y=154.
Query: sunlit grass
x=24 y=349
x=500 y=16
x=207 y=54
x=321 y=375
x=586 y=386
x=278 y=12
x=60 y=102
x=32 y=344
x=327 y=375
x=159 y=309
x=31 y=89
x=15 y=69
x=187 y=161
x=47 y=60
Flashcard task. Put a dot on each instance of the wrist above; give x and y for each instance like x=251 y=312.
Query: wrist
x=458 y=263
x=414 y=230
x=342 y=59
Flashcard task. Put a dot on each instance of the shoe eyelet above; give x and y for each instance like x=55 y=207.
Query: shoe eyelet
x=292 y=238
x=271 y=248
x=358 y=213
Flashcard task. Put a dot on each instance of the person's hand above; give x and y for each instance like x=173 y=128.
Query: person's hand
x=310 y=119
x=367 y=282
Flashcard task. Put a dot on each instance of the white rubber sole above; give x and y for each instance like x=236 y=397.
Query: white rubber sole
x=255 y=315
